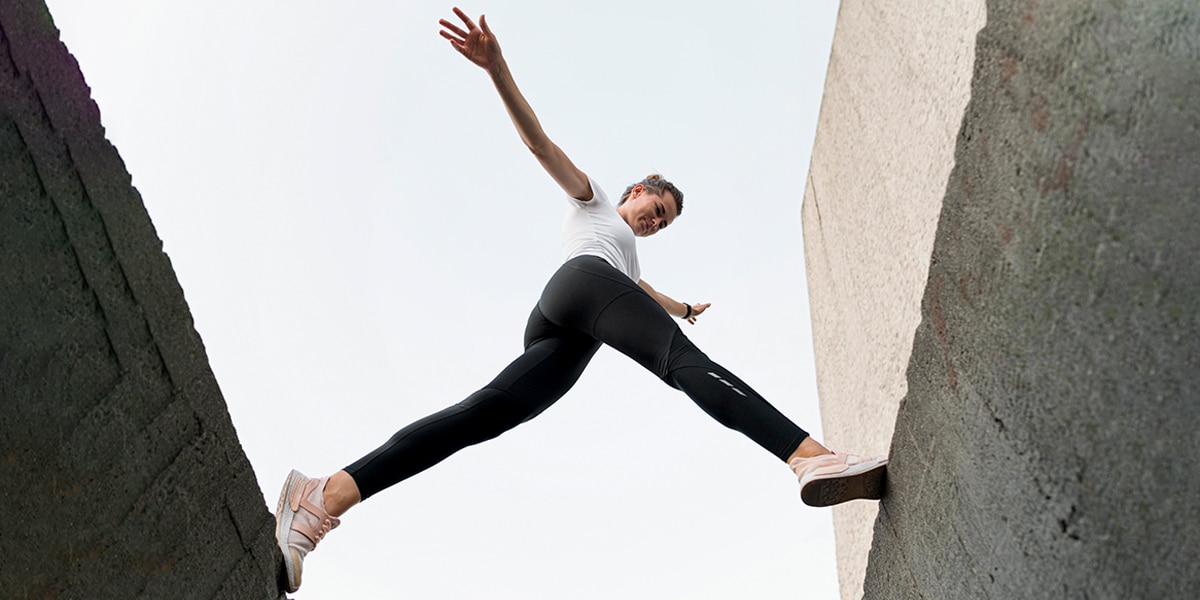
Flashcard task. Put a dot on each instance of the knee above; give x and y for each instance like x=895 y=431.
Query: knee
x=505 y=408
x=722 y=397
x=493 y=411
x=684 y=354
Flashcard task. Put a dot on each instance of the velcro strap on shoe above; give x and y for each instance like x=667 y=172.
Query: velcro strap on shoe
x=325 y=523
x=828 y=470
x=300 y=492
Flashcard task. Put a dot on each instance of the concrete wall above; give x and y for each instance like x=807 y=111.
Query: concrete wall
x=898 y=81
x=1045 y=446
x=121 y=469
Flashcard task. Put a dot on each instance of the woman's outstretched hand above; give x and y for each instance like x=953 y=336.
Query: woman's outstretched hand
x=696 y=310
x=477 y=43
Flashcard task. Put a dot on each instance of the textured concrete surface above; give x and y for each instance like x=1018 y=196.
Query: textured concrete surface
x=898 y=82
x=1046 y=447
x=122 y=471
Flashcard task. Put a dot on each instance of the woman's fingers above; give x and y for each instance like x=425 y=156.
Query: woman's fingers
x=461 y=48
x=454 y=33
x=465 y=19
x=476 y=43
x=453 y=29
x=696 y=310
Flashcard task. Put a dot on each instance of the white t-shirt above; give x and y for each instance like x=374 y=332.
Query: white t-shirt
x=594 y=228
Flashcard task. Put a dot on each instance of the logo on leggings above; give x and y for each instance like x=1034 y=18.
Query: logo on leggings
x=729 y=385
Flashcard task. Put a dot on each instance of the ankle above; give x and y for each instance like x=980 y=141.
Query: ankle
x=341 y=494
x=808 y=449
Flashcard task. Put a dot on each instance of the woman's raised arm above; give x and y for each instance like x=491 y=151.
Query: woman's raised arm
x=478 y=44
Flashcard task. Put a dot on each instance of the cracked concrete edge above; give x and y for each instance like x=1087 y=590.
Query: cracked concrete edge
x=897 y=85
x=132 y=481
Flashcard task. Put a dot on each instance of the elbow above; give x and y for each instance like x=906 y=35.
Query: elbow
x=541 y=149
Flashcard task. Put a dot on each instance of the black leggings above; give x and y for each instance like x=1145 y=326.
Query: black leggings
x=586 y=303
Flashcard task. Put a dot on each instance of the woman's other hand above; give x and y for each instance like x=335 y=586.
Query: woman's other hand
x=696 y=310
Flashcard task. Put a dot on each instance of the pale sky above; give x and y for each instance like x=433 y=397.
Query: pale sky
x=361 y=235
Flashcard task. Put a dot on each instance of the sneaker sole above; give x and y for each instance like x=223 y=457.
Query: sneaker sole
x=283 y=526
x=828 y=490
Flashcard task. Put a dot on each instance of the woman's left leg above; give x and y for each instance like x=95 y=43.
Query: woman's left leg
x=622 y=315
x=591 y=296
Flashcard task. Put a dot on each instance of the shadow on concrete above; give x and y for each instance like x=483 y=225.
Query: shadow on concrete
x=1046 y=447
x=120 y=464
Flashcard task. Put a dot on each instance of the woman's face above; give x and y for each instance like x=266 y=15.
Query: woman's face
x=647 y=212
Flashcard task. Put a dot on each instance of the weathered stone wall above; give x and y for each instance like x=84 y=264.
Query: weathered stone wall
x=1046 y=446
x=122 y=474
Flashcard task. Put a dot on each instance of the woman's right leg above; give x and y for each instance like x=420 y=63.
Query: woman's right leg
x=309 y=508
x=554 y=359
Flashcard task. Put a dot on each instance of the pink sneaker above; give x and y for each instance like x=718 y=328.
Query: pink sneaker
x=839 y=477
x=300 y=522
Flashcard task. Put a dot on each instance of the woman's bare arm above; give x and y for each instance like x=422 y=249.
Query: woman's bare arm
x=674 y=307
x=479 y=45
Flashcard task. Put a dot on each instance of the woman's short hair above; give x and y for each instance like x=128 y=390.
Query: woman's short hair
x=655 y=183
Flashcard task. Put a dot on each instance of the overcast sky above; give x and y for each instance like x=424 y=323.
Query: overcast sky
x=361 y=236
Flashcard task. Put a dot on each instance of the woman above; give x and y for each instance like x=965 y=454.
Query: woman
x=597 y=296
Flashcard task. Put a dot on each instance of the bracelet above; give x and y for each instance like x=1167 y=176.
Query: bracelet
x=689 y=310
